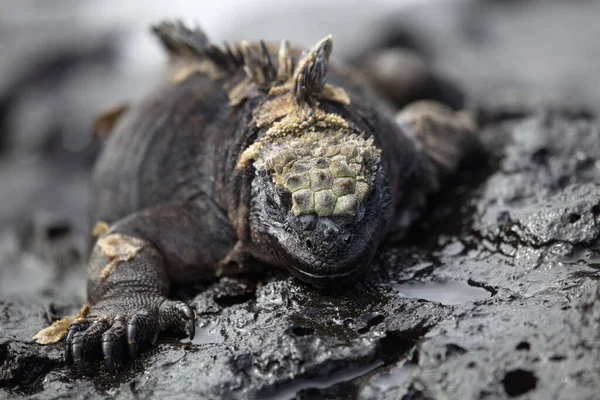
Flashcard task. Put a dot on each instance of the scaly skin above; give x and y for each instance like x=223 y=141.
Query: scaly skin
x=194 y=182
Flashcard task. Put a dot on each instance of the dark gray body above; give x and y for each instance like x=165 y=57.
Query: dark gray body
x=180 y=207
x=182 y=144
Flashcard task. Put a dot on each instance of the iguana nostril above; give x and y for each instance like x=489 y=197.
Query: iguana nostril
x=347 y=239
x=309 y=243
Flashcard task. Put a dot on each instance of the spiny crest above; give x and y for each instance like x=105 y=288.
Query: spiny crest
x=285 y=62
x=179 y=40
x=192 y=53
x=258 y=65
x=187 y=45
x=309 y=77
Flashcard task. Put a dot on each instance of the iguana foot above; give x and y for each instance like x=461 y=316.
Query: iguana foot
x=119 y=326
x=448 y=137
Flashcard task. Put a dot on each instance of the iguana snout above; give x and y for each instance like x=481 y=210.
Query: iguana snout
x=327 y=248
x=326 y=232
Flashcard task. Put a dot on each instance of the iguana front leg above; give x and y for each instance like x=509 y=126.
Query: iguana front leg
x=130 y=272
x=426 y=102
x=446 y=137
x=127 y=289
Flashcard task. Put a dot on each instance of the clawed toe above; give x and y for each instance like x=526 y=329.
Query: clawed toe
x=114 y=343
x=191 y=328
x=84 y=343
x=142 y=330
x=73 y=329
x=190 y=315
x=178 y=315
x=133 y=328
x=77 y=349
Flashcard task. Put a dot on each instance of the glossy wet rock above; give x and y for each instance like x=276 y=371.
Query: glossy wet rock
x=472 y=302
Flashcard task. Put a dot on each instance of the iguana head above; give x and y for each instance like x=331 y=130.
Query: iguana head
x=319 y=201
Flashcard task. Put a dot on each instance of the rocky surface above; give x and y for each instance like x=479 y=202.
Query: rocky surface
x=494 y=295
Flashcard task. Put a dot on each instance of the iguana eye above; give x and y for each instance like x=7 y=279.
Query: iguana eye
x=271 y=202
x=286 y=200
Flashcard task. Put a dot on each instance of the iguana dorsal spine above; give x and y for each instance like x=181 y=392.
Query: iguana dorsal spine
x=305 y=79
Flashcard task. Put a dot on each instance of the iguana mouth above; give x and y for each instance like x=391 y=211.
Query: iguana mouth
x=323 y=278
x=332 y=273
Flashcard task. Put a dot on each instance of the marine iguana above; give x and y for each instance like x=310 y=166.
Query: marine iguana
x=252 y=153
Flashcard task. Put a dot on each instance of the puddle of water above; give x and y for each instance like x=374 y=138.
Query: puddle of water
x=449 y=293
x=289 y=390
x=397 y=376
x=207 y=331
x=591 y=256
